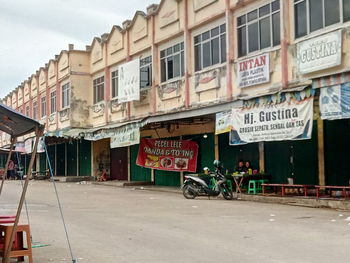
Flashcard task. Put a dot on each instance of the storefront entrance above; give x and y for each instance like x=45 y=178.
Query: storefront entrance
x=337 y=157
x=293 y=159
x=119 y=163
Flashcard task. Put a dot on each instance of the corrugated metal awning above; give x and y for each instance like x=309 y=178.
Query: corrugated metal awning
x=15 y=123
x=225 y=106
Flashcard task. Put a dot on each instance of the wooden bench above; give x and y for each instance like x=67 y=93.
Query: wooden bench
x=283 y=187
x=343 y=189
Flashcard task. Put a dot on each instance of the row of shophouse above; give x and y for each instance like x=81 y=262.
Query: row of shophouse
x=263 y=65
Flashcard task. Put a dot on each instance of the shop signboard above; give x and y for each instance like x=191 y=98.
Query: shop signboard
x=335 y=102
x=272 y=122
x=253 y=71
x=129 y=81
x=223 y=122
x=28 y=146
x=126 y=136
x=169 y=155
x=320 y=52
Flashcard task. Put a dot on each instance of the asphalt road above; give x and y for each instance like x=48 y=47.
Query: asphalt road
x=110 y=224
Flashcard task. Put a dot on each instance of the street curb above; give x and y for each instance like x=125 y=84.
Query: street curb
x=291 y=201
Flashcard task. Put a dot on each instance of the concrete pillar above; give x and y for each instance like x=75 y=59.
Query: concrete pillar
x=262 y=156
x=321 y=164
x=229 y=49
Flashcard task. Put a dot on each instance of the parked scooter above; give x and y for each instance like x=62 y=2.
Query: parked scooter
x=195 y=186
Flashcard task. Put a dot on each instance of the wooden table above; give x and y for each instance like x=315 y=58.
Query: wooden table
x=240 y=178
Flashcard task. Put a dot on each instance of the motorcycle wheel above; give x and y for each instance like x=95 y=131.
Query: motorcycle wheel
x=188 y=192
x=226 y=193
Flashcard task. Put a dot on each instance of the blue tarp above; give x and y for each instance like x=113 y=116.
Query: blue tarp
x=15 y=123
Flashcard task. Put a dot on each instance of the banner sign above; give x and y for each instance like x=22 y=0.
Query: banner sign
x=129 y=81
x=28 y=146
x=20 y=147
x=253 y=71
x=126 y=136
x=41 y=145
x=223 y=122
x=273 y=122
x=335 y=102
x=320 y=52
x=179 y=155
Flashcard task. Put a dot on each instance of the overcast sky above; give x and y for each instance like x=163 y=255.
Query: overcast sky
x=33 y=31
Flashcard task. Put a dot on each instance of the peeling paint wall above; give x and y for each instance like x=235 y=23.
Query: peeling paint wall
x=80 y=101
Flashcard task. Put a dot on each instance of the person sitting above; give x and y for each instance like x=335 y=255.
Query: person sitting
x=103 y=176
x=241 y=167
x=248 y=168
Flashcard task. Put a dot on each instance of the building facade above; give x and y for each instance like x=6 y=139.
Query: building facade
x=196 y=58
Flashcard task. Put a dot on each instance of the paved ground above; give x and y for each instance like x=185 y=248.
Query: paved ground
x=109 y=224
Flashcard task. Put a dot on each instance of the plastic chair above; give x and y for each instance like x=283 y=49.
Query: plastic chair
x=253 y=187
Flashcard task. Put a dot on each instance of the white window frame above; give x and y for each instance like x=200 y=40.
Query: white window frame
x=53 y=102
x=35 y=110
x=324 y=27
x=65 y=90
x=27 y=111
x=163 y=48
x=95 y=89
x=257 y=20
x=43 y=107
x=146 y=65
x=212 y=26
x=114 y=79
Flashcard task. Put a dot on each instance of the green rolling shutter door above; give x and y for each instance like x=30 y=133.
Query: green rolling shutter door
x=84 y=158
x=138 y=173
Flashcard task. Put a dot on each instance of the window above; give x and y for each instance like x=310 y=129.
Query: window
x=98 y=88
x=43 y=107
x=35 y=110
x=259 y=29
x=65 y=95
x=312 y=15
x=172 y=62
x=53 y=102
x=114 y=83
x=27 y=111
x=210 y=47
x=145 y=72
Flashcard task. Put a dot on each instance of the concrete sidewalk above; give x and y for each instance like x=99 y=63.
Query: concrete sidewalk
x=333 y=203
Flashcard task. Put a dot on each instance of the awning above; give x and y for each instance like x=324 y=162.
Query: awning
x=110 y=130
x=331 y=80
x=16 y=124
x=225 y=106
x=74 y=133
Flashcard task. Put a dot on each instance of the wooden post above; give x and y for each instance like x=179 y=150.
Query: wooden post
x=152 y=175
x=216 y=147
x=129 y=165
x=13 y=140
x=38 y=134
x=261 y=156
x=321 y=165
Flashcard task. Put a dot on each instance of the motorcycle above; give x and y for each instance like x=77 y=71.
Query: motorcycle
x=194 y=186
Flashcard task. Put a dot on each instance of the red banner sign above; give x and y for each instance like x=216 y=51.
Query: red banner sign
x=168 y=155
